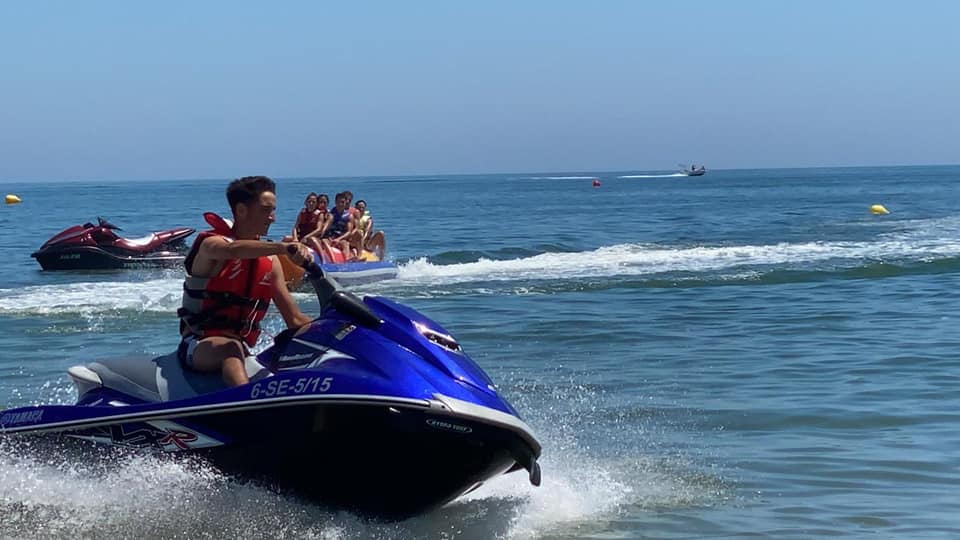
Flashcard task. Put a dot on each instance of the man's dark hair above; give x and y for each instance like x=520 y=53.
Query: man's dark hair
x=243 y=190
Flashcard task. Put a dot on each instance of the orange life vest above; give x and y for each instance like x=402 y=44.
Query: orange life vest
x=231 y=303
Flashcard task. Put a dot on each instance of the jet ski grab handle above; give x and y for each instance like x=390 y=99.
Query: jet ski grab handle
x=330 y=294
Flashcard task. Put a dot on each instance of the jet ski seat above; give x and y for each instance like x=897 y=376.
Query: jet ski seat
x=155 y=380
x=137 y=244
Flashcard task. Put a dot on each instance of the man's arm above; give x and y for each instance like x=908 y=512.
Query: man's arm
x=327 y=218
x=369 y=230
x=284 y=301
x=219 y=248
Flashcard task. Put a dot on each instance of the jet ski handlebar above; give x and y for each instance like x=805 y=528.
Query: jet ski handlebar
x=106 y=224
x=331 y=294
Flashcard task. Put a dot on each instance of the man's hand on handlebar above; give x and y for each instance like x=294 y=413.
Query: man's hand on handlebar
x=298 y=253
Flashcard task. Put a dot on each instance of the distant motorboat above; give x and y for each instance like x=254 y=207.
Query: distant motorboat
x=693 y=170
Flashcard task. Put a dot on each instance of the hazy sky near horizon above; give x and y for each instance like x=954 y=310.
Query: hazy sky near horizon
x=218 y=89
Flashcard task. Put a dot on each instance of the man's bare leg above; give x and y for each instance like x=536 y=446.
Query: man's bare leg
x=224 y=354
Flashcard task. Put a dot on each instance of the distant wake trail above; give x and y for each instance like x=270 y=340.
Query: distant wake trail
x=652 y=175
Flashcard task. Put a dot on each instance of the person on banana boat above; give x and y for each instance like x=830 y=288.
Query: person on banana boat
x=340 y=230
x=309 y=224
x=309 y=220
x=353 y=210
x=372 y=240
x=323 y=200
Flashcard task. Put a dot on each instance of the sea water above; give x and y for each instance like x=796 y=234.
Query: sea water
x=750 y=353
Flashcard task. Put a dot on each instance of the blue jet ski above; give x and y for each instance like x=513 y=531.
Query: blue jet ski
x=374 y=408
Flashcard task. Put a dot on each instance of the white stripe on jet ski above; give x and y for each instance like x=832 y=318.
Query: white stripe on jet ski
x=182 y=412
x=442 y=404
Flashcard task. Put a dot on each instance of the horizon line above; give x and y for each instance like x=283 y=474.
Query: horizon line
x=444 y=175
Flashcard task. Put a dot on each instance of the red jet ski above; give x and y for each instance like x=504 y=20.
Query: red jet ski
x=97 y=247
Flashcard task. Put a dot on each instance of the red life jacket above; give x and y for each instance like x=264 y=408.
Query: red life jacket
x=231 y=303
x=307 y=222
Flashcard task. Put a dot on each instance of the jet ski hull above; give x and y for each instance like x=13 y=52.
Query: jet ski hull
x=95 y=258
x=97 y=247
x=389 y=459
x=400 y=465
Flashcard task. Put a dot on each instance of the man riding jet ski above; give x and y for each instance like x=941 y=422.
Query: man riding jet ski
x=97 y=247
x=232 y=276
x=371 y=407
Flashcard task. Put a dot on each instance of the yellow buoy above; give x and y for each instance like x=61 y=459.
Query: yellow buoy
x=12 y=199
x=878 y=209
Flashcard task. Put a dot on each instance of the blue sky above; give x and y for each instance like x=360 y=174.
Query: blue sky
x=135 y=90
